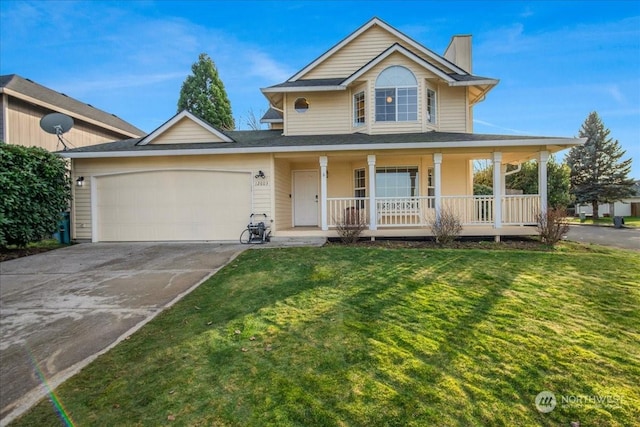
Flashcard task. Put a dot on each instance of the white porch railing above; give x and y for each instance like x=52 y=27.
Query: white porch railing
x=417 y=211
x=520 y=209
x=347 y=210
x=404 y=211
x=471 y=210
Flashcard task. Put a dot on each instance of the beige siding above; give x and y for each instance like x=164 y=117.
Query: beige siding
x=282 y=184
x=332 y=112
x=455 y=176
x=82 y=215
x=3 y=113
x=184 y=132
x=452 y=115
x=356 y=54
x=340 y=182
x=23 y=128
x=328 y=113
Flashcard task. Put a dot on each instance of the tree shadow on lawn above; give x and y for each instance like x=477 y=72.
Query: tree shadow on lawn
x=353 y=355
x=406 y=371
x=437 y=339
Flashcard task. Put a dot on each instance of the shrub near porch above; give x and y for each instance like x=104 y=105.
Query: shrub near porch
x=371 y=336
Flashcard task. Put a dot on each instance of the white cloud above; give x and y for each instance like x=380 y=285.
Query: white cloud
x=121 y=81
x=579 y=38
x=261 y=65
x=614 y=92
x=501 y=128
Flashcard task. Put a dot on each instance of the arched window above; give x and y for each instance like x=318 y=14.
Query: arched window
x=396 y=95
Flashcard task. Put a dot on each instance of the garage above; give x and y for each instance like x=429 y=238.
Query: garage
x=171 y=205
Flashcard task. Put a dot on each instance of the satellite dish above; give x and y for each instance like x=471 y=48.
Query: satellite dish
x=57 y=124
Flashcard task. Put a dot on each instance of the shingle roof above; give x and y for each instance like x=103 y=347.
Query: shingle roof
x=468 y=78
x=311 y=83
x=41 y=93
x=274 y=138
x=272 y=116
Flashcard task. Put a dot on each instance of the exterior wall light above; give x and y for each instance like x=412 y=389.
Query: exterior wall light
x=80 y=181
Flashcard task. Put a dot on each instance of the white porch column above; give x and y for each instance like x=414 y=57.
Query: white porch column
x=437 y=181
x=542 y=180
x=373 y=214
x=323 y=192
x=497 y=190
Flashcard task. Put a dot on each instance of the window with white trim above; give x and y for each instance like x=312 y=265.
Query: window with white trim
x=358 y=109
x=431 y=187
x=301 y=105
x=397 y=181
x=431 y=106
x=396 y=95
x=359 y=183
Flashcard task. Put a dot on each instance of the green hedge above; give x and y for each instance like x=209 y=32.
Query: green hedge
x=35 y=188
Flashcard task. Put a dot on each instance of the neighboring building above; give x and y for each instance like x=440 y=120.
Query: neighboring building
x=626 y=207
x=23 y=103
x=378 y=127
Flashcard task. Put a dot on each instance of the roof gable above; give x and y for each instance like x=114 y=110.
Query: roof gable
x=366 y=42
x=185 y=128
x=396 y=48
x=32 y=92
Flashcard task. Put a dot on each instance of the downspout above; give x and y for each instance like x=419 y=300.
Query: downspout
x=506 y=174
x=516 y=170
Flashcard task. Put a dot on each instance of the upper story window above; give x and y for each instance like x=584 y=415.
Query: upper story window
x=431 y=106
x=301 y=105
x=358 y=109
x=396 y=95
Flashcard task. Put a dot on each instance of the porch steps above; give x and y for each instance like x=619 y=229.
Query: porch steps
x=286 y=241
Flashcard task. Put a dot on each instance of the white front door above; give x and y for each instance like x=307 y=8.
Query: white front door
x=305 y=198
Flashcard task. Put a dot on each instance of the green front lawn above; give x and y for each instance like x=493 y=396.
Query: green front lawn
x=346 y=336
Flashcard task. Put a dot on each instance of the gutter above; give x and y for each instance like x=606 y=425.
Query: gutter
x=565 y=142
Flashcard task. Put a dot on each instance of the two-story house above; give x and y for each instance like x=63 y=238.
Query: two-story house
x=23 y=103
x=378 y=126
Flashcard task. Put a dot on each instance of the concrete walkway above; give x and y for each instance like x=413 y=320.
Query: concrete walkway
x=60 y=310
x=623 y=238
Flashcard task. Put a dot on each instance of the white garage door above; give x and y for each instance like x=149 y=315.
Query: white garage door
x=172 y=205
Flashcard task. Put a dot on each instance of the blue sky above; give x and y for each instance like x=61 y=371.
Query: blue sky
x=556 y=61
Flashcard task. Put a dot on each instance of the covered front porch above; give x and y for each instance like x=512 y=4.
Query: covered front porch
x=399 y=194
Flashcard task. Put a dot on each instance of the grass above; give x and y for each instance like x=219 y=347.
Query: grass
x=344 y=336
x=629 y=221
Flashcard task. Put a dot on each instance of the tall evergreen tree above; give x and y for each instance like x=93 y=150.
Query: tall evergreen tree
x=598 y=175
x=203 y=94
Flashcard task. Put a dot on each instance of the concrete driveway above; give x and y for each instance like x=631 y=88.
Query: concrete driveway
x=624 y=238
x=59 y=310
